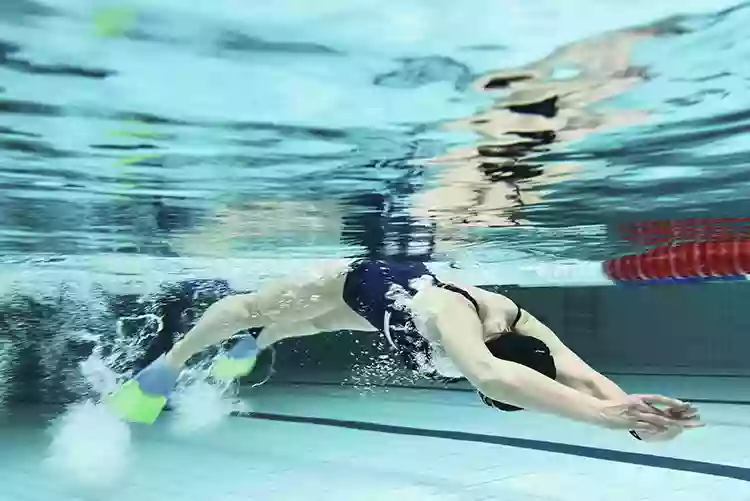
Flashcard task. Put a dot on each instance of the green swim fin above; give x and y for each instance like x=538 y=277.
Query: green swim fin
x=237 y=362
x=142 y=399
x=225 y=368
x=133 y=404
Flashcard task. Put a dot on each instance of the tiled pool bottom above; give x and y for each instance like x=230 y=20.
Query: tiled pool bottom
x=246 y=458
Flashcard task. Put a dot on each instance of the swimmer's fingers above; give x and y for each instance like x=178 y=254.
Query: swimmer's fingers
x=682 y=413
x=638 y=413
x=693 y=416
x=687 y=415
x=670 y=421
x=692 y=421
x=687 y=412
x=661 y=400
x=655 y=422
x=692 y=424
x=686 y=406
x=663 y=422
x=651 y=426
x=672 y=414
x=690 y=412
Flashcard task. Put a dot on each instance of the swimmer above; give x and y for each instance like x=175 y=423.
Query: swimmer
x=512 y=359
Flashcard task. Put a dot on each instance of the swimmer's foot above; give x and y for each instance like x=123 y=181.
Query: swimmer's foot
x=142 y=399
x=237 y=362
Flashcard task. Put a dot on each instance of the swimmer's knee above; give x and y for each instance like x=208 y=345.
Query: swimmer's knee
x=243 y=306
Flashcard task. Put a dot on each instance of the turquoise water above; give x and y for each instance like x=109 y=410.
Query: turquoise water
x=159 y=129
x=147 y=142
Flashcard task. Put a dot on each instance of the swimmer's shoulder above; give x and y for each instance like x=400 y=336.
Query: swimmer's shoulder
x=492 y=300
x=495 y=309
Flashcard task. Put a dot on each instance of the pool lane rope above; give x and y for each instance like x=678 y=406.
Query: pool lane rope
x=684 y=262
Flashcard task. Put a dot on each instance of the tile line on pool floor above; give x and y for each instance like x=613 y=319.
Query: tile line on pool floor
x=635 y=458
x=469 y=390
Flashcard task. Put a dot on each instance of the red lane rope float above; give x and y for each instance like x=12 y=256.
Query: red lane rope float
x=684 y=261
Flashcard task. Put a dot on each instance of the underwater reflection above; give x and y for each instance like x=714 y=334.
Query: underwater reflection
x=545 y=105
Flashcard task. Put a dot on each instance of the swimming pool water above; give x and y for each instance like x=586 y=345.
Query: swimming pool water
x=235 y=129
x=510 y=144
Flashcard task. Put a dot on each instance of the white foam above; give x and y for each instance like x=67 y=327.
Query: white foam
x=99 y=376
x=8 y=354
x=90 y=449
x=201 y=406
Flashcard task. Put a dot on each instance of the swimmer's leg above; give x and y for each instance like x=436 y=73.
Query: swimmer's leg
x=240 y=360
x=279 y=304
x=143 y=398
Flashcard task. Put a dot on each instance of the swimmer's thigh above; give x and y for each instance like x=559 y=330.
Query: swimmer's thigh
x=291 y=301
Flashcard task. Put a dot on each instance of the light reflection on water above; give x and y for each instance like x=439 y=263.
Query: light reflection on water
x=184 y=131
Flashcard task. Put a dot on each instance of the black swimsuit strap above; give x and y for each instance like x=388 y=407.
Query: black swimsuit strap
x=458 y=290
x=473 y=301
x=518 y=315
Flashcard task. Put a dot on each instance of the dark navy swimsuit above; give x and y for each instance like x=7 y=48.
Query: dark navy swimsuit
x=377 y=289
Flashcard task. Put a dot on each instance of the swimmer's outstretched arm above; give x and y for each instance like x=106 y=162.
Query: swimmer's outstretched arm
x=456 y=324
x=571 y=370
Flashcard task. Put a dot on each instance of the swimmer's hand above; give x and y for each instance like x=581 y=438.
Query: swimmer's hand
x=643 y=413
x=684 y=412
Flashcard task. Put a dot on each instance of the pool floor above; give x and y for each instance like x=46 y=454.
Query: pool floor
x=418 y=445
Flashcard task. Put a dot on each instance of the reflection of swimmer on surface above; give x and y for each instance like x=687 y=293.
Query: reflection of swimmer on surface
x=543 y=103
x=440 y=329
x=236 y=227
